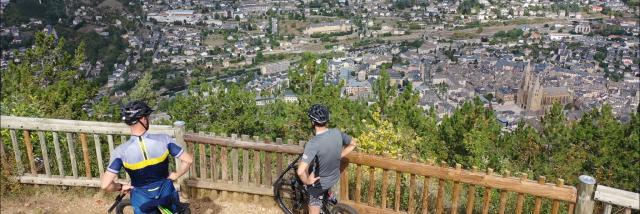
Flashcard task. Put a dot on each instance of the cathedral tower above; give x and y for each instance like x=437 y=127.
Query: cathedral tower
x=530 y=93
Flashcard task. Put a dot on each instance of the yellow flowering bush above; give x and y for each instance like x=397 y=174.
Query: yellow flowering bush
x=381 y=136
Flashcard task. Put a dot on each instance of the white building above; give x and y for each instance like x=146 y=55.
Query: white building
x=329 y=27
x=275 y=67
x=170 y=16
x=290 y=97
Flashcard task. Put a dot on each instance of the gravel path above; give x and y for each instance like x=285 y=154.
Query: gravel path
x=92 y=201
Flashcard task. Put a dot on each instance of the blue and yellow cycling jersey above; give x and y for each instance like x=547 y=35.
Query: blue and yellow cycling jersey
x=145 y=158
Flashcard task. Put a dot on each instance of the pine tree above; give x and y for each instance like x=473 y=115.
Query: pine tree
x=46 y=82
x=144 y=91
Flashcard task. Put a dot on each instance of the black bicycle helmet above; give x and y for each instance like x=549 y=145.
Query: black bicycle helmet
x=133 y=111
x=319 y=114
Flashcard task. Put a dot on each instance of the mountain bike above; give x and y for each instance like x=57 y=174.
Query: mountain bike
x=121 y=204
x=292 y=196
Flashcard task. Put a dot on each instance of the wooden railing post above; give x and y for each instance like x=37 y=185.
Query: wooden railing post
x=584 y=204
x=344 y=180
x=85 y=155
x=607 y=209
x=486 y=199
x=538 y=201
x=520 y=198
x=3 y=156
x=471 y=193
x=26 y=136
x=503 y=195
x=17 y=154
x=178 y=127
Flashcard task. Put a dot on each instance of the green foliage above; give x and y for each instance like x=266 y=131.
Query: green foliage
x=46 y=82
x=403 y=4
x=334 y=34
x=383 y=90
x=415 y=26
x=467 y=5
x=511 y=35
x=470 y=133
x=462 y=35
x=611 y=30
x=381 y=136
x=144 y=91
x=599 y=56
x=18 y=12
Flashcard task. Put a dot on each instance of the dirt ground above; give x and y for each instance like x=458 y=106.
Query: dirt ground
x=44 y=199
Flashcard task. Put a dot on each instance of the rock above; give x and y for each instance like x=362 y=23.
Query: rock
x=27 y=204
x=208 y=211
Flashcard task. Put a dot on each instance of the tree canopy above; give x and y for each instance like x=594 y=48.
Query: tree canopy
x=46 y=82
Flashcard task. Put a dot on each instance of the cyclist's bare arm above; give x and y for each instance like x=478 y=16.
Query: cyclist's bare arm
x=186 y=159
x=352 y=145
x=304 y=176
x=108 y=182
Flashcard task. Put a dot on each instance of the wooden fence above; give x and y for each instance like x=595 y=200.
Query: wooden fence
x=249 y=166
x=371 y=184
x=66 y=164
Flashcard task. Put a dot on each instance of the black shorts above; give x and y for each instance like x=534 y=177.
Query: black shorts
x=316 y=194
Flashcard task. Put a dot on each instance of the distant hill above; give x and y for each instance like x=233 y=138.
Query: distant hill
x=18 y=12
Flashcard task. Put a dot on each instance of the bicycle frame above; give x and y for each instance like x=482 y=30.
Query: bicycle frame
x=300 y=187
x=276 y=193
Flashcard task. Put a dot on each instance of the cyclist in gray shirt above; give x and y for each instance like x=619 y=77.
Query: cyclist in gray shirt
x=325 y=151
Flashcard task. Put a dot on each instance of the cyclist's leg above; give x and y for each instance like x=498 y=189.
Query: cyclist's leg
x=141 y=203
x=315 y=198
x=169 y=197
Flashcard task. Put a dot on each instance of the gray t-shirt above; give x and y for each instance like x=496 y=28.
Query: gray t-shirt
x=327 y=147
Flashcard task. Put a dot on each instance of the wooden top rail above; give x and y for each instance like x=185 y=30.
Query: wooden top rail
x=548 y=190
x=228 y=142
x=44 y=124
x=617 y=197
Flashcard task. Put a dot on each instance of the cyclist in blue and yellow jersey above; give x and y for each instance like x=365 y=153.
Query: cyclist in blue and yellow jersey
x=145 y=157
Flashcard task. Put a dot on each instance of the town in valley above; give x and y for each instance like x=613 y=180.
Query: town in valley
x=518 y=56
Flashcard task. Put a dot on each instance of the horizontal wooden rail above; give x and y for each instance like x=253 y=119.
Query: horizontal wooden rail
x=227 y=142
x=45 y=124
x=61 y=180
x=616 y=197
x=563 y=193
x=231 y=186
x=66 y=181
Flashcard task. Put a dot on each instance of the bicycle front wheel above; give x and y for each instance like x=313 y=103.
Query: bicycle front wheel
x=124 y=207
x=290 y=199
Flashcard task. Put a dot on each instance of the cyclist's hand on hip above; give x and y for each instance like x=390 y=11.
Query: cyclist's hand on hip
x=173 y=176
x=313 y=178
x=126 y=188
